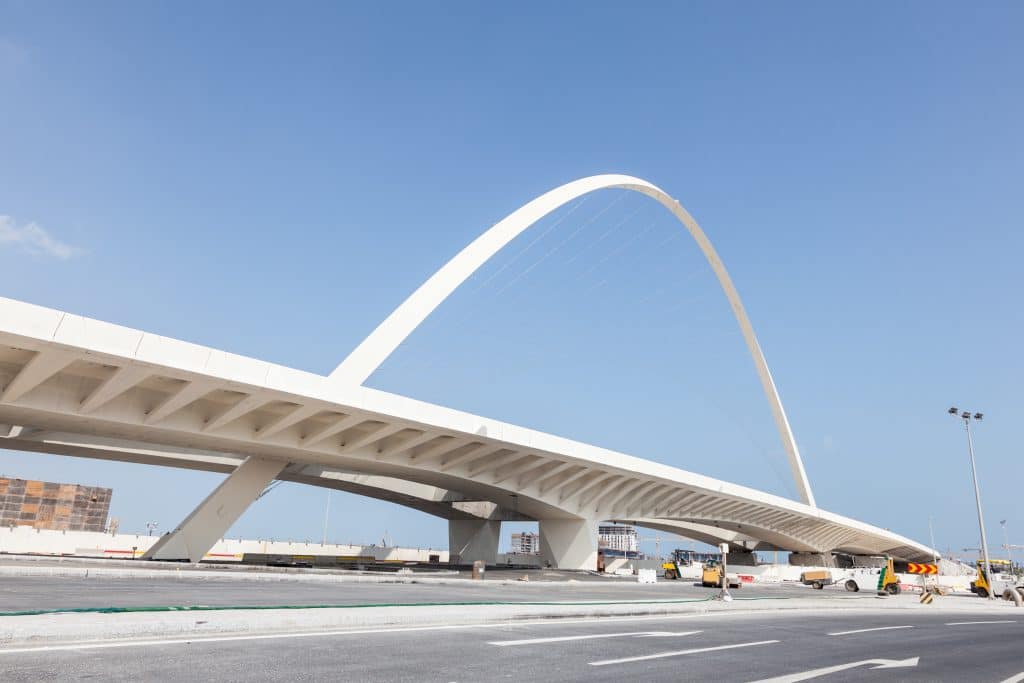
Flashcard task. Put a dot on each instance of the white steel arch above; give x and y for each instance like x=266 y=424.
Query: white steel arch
x=383 y=341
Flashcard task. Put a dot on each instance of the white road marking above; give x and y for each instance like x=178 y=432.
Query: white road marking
x=200 y=638
x=867 y=630
x=679 y=653
x=814 y=673
x=1015 y=679
x=971 y=623
x=565 y=639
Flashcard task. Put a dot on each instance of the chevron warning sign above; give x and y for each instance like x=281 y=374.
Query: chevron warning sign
x=915 y=568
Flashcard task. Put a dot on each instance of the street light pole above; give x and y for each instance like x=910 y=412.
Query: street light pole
x=931 y=534
x=967 y=417
x=1006 y=543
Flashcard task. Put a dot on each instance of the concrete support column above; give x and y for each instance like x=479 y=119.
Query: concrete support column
x=208 y=523
x=569 y=543
x=741 y=558
x=470 y=540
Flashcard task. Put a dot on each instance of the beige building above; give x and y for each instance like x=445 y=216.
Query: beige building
x=620 y=537
x=526 y=544
x=51 y=505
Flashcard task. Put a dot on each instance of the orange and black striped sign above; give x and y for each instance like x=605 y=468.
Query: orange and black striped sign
x=915 y=568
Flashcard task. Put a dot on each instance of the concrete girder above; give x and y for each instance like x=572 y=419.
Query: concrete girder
x=120 y=381
x=636 y=506
x=604 y=493
x=487 y=463
x=443 y=446
x=44 y=365
x=189 y=393
x=697 y=532
x=639 y=488
x=406 y=445
x=341 y=424
x=289 y=419
x=773 y=518
x=578 y=484
x=675 y=499
x=562 y=479
x=724 y=510
x=776 y=537
x=593 y=487
x=595 y=493
x=544 y=469
x=835 y=538
x=244 y=406
x=373 y=437
x=451 y=458
x=512 y=469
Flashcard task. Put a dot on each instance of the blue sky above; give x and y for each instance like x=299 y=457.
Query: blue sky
x=273 y=181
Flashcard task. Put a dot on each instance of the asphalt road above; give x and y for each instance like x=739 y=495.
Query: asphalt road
x=29 y=593
x=797 y=645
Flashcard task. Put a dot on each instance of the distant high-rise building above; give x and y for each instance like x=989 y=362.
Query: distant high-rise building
x=526 y=543
x=50 y=505
x=621 y=538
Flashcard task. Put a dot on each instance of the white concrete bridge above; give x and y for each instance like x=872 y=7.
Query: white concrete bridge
x=75 y=386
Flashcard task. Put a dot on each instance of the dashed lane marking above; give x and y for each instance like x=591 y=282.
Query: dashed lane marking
x=680 y=653
x=198 y=638
x=1015 y=679
x=972 y=623
x=593 y=636
x=867 y=630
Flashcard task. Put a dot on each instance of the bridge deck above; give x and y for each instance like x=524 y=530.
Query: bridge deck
x=70 y=383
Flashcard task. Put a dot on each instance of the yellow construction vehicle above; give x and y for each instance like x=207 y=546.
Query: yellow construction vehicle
x=1002 y=579
x=711 y=577
x=673 y=568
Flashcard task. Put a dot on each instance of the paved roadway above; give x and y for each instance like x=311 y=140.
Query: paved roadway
x=932 y=646
x=29 y=593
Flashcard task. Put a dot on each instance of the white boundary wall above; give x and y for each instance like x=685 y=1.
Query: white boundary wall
x=24 y=540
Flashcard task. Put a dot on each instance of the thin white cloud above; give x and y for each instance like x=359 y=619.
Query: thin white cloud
x=34 y=239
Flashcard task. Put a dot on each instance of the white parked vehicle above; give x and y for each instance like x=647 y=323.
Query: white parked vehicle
x=868 y=579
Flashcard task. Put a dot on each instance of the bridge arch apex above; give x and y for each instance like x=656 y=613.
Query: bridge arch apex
x=381 y=343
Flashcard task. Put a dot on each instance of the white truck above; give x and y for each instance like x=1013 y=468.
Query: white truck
x=871 y=579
